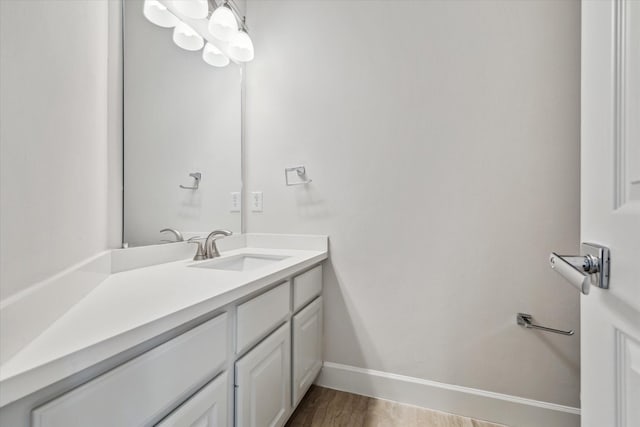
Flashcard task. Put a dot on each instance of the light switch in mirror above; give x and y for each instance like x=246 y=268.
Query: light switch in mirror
x=182 y=136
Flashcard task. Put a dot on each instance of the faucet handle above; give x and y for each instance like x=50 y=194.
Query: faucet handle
x=200 y=255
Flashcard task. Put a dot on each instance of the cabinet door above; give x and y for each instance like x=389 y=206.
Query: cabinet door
x=263 y=382
x=307 y=348
x=206 y=408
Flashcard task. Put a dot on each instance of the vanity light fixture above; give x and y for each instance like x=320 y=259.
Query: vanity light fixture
x=223 y=24
x=196 y=9
x=186 y=37
x=214 y=56
x=241 y=46
x=157 y=13
x=224 y=41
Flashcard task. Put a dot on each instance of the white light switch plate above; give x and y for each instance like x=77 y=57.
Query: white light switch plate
x=236 y=202
x=256 y=201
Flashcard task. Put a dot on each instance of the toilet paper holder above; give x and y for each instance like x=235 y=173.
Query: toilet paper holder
x=526 y=320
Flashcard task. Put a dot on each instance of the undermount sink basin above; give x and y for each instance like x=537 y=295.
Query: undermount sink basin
x=242 y=262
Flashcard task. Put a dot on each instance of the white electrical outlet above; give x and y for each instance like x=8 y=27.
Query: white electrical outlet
x=236 y=202
x=256 y=201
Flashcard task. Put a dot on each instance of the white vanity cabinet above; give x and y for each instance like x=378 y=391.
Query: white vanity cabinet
x=263 y=382
x=207 y=408
x=247 y=367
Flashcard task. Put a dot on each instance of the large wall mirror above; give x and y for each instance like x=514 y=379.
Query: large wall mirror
x=182 y=117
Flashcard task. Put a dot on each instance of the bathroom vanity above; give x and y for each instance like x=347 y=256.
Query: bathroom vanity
x=146 y=335
x=232 y=341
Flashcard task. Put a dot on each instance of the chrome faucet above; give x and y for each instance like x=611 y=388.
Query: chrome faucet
x=210 y=248
x=175 y=232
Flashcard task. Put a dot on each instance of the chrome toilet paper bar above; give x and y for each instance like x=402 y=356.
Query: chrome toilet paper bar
x=524 y=319
x=581 y=271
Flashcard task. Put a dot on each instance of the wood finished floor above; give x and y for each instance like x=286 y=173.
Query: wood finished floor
x=323 y=407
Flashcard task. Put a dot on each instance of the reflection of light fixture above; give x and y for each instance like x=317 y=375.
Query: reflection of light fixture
x=186 y=37
x=241 y=46
x=213 y=56
x=223 y=24
x=157 y=13
x=196 y=9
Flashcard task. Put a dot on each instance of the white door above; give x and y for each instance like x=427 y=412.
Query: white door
x=307 y=348
x=207 y=408
x=263 y=382
x=610 y=211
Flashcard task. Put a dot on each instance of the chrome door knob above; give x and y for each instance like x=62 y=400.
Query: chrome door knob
x=583 y=270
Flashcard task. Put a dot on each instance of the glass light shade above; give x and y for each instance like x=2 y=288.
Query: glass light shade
x=196 y=9
x=186 y=37
x=157 y=13
x=223 y=24
x=213 y=56
x=241 y=47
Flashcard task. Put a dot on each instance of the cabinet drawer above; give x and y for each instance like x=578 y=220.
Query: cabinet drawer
x=257 y=317
x=207 y=408
x=306 y=287
x=141 y=390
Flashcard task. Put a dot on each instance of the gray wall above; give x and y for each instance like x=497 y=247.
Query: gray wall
x=442 y=138
x=59 y=179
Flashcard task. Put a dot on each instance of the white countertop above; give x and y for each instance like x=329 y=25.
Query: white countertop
x=130 y=307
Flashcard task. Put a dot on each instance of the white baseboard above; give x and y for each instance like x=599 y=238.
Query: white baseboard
x=500 y=408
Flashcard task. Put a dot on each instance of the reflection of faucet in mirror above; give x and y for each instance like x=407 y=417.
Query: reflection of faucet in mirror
x=210 y=248
x=176 y=233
